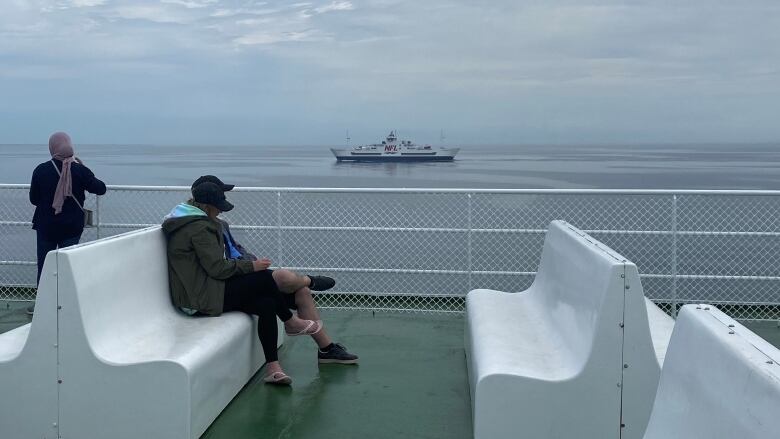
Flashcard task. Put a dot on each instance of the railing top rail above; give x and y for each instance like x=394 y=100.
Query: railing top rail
x=448 y=190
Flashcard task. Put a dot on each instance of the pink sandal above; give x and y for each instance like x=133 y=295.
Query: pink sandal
x=312 y=328
x=280 y=378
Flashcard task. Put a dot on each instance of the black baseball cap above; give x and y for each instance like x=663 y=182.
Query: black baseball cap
x=215 y=180
x=209 y=193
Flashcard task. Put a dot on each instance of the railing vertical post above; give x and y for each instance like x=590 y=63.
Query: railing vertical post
x=279 y=229
x=674 y=256
x=97 y=216
x=471 y=268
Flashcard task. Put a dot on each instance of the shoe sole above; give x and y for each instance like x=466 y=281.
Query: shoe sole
x=284 y=382
x=330 y=361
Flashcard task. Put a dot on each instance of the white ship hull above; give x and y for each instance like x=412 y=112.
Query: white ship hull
x=368 y=155
x=394 y=150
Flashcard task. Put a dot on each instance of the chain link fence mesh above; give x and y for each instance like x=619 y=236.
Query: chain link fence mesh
x=423 y=250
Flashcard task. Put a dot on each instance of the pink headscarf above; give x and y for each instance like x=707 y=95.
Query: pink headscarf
x=61 y=149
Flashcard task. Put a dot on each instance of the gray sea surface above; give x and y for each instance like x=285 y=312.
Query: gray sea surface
x=684 y=166
x=715 y=166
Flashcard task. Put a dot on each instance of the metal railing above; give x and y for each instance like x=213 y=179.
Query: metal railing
x=424 y=249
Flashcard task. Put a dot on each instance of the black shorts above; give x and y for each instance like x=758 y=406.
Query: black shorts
x=289 y=299
x=255 y=293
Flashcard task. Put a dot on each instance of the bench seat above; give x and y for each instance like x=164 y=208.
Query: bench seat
x=187 y=340
x=513 y=336
x=12 y=342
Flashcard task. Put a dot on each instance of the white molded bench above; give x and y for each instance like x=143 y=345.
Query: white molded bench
x=718 y=381
x=131 y=365
x=566 y=357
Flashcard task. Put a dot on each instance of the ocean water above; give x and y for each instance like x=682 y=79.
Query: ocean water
x=528 y=166
x=685 y=166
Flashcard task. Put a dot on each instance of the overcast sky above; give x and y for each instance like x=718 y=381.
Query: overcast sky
x=496 y=71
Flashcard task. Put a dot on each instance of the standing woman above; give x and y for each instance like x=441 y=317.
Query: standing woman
x=57 y=191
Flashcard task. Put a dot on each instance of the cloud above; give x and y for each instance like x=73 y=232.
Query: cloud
x=335 y=6
x=227 y=13
x=87 y=3
x=191 y=4
x=157 y=13
x=504 y=57
x=507 y=41
x=266 y=38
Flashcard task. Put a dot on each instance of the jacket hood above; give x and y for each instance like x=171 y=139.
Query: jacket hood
x=182 y=215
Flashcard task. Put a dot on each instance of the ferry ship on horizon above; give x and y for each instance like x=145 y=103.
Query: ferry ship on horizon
x=393 y=150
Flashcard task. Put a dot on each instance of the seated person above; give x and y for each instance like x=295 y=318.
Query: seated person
x=297 y=288
x=203 y=282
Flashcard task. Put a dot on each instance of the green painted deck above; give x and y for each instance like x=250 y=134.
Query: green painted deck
x=411 y=381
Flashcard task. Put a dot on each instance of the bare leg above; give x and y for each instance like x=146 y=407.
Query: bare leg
x=296 y=324
x=275 y=375
x=290 y=282
x=273 y=367
x=308 y=310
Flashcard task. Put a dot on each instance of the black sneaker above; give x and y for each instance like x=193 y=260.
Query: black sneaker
x=321 y=283
x=336 y=354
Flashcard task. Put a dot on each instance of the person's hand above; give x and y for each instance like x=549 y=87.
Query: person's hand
x=261 y=264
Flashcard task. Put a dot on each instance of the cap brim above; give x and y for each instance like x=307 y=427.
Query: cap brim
x=224 y=206
x=228 y=187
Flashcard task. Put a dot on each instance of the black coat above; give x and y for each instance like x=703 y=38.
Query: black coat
x=70 y=222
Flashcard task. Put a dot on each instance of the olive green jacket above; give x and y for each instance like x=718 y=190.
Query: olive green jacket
x=197 y=268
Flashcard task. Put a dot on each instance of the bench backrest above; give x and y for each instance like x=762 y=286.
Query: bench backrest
x=582 y=285
x=719 y=380
x=597 y=307
x=117 y=286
